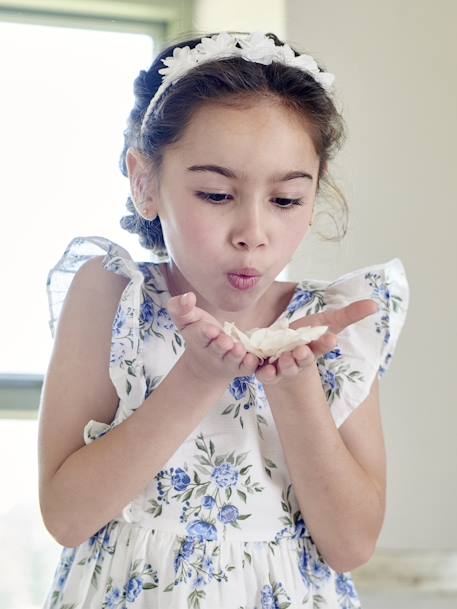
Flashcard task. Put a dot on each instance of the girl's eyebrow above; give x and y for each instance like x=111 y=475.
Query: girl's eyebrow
x=228 y=173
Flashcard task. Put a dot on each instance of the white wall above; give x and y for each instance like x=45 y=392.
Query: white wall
x=240 y=15
x=395 y=67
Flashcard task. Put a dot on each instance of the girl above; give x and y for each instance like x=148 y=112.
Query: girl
x=177 y=468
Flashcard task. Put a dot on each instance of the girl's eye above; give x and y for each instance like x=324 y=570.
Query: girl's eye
x=208 y=196
x=290 y=202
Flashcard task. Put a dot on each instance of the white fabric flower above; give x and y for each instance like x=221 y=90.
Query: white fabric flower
x=217 y=47
x=285 y=54
x=258 y=47
x=273 y=341
x=306 y=63
x=325 y=79
x=182 y=60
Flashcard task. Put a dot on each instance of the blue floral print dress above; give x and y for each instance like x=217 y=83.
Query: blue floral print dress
x=219 y=526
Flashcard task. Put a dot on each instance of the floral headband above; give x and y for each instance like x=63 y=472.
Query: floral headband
x=255 y=47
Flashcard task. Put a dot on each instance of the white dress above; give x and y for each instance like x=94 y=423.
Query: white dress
x=219 y=526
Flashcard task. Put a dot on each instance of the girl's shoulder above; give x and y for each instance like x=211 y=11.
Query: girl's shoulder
x=145 y=284
x=115 y=258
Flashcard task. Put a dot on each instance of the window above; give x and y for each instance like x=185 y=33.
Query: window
x=66 y=95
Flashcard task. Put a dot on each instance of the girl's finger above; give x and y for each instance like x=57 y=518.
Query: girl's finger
x=236 y=353
x=249 y=363
x=351 y=314
x=339 y=319
x=211 y=332
x=267 y=374
x=287 y=366
x=184 y=313
x=222 y=344
x=324 y=344
x=303 y=356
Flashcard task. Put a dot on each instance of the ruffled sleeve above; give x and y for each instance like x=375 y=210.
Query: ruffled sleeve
x=126 y=362
x=364 y=349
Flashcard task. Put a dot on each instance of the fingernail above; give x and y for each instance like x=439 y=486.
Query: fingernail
x=184 y=298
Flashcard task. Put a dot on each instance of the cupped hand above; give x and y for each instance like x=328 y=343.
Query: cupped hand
x=301 y=358
x=210 y=353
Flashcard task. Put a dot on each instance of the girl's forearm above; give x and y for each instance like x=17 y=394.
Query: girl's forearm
x=94 y=483
x=339 y=502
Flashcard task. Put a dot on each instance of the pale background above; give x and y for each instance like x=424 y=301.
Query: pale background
x=395 y=68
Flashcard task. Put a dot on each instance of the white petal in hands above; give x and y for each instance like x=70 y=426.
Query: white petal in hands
x=273 y=341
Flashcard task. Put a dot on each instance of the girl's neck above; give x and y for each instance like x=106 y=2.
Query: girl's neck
x=272 y=304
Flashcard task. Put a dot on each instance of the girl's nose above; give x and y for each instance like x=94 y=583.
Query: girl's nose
x=249 y=227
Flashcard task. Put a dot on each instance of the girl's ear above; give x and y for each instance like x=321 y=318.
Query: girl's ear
x=140 y=187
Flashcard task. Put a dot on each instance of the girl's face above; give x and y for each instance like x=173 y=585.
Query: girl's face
x=224 y=204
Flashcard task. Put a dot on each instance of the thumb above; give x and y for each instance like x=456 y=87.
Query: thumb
x=183 y=313
x=177 y=304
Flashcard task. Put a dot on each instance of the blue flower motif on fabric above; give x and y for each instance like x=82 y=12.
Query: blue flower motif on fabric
x=194 y=564
x=121 y=332
x=122 y=342
x=163 y=319
x=213 y=497
x=148 y=315
x=206 y=502
x=271 y=595
x=180 y=479
x=314 y=570
x=98 y=546
x=63 y=568
x=202 y=530
x=295 y=528
x=228 y=514
x=225 y=475
x=153 y=316
x=133 y=588
x=334 y=372
x=347 y=595
x=119 y=322
x=382 y=369
x=138 y=580
x=146 y=311
x=151 y=275
x=112 y=598
x=239 y=385
x=99 y=543
x=308 y=297
x=389 y=303
x=249 y=393
x=334 y=354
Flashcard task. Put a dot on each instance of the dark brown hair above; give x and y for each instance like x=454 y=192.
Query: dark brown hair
x=230 y=80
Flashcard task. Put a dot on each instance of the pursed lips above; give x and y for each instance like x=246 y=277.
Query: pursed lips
x=246 y=272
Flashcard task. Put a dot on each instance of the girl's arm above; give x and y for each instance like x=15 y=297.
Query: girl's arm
x=81 y=487
x=338 y=475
